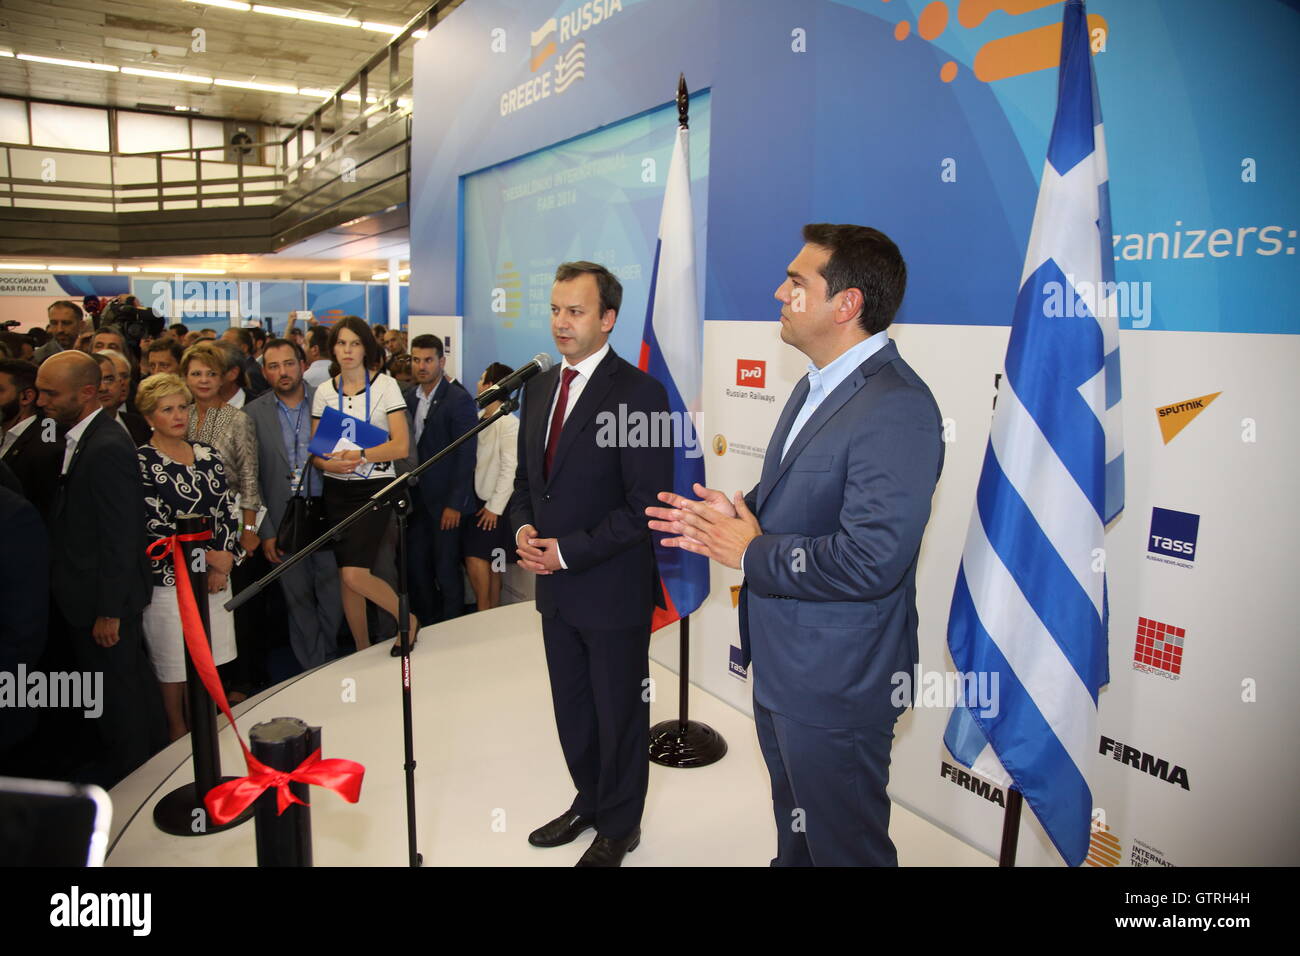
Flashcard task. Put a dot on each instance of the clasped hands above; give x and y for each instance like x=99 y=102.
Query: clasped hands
x=714 y=526
x=539 y=555
x=342 y=462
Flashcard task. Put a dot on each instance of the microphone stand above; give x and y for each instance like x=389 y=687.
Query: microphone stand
x=393 y=495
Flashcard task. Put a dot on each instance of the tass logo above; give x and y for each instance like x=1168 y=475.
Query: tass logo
x=736 y=663
x=751 y=373
x=1173 y=534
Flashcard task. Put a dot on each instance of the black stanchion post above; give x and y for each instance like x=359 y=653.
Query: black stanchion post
x=202 y=709
x=283 y=839
x=683 y=742
x=181 y=812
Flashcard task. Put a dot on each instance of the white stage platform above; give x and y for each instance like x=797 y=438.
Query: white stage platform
x=489 y=767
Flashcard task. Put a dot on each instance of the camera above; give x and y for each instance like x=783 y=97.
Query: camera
x=135 y=322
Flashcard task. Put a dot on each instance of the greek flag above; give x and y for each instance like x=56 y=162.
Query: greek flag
x=1030 y=603
x=671 y=346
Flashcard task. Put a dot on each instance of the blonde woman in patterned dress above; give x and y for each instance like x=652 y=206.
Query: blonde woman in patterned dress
x=183 y=477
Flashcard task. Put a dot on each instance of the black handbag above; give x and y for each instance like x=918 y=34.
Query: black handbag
x=303 y=521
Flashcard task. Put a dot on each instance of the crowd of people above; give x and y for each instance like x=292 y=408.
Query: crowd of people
x=110 y=433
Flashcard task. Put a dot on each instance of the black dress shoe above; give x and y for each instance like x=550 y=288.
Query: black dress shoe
x=563 y=829
x=606 y=852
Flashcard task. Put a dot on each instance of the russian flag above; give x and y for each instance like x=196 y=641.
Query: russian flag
x=671 y=350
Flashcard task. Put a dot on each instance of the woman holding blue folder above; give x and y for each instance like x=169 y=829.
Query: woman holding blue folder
x=360 y=416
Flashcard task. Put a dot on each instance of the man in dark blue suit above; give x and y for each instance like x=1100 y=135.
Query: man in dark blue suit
x=577 y=513
x=441 y=411
x=828 y=541
x=100 y=573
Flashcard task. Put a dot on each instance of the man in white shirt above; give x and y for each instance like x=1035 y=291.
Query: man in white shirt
x=100 y=573
x=442 y=411
x=114 y=381
x=318 y=356
x=232 y=393
x=30 y=446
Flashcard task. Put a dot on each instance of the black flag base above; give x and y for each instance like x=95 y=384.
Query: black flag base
x=690 y=744
x=683 y=742
x=182 y=813
x=674 y=743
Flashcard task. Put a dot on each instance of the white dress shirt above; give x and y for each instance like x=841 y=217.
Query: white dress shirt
x=422 y=402
x=73 y=437
x=317 y=372
x=13 y=434
x=238 y=399
x=585 y=368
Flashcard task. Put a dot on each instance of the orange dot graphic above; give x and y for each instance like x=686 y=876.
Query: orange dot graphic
x=948 y=72
x=933 y=20
x=902 y=30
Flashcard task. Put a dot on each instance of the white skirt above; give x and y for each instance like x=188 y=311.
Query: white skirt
x=166 y=643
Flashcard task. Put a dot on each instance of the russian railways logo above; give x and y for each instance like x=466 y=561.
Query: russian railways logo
x=569 y=66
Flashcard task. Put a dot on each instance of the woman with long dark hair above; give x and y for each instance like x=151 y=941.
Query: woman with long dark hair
x=357 y=389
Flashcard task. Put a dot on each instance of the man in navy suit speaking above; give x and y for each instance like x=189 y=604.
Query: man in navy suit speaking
x=828 y=541
x=578 y=513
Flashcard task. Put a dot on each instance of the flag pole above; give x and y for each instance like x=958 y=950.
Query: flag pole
x=684 y=742
x=1010 y=828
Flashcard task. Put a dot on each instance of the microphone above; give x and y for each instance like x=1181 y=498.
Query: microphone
x=541 y=363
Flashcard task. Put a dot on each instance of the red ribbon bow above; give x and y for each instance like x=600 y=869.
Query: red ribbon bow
x=229 y=800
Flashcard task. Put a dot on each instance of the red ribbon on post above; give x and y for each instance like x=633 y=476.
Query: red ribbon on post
x=229 y=800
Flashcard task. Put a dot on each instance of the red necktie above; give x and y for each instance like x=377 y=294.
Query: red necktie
x=557 y=421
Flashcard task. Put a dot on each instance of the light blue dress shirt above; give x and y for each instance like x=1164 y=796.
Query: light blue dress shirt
x=823 y=381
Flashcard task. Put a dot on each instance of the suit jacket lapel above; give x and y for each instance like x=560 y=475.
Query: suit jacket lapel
x=272 y=412
x=772 y=460
x=539 y=414
x=591 y=399
x=831 y=404
x=439 y=393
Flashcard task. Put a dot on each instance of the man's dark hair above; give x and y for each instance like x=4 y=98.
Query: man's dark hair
x=282 y=343
x=865 y=259
x=611 y=290
x=427 y=341
x=109 y=330
x=65 y=304
x=357 y=326
x=180 y=329
x=318 y=338
x=167 y=344
x=245 y=338
x=258 y=333
x=495 y=373
x=23 y=373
